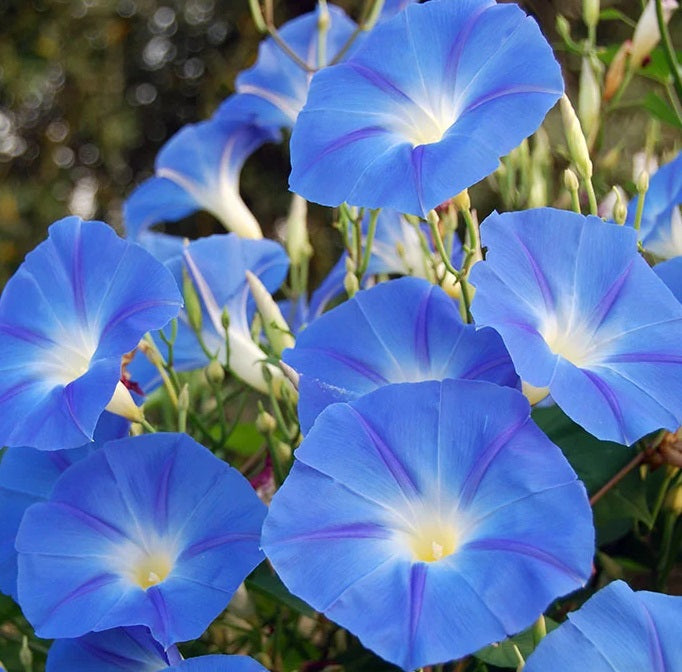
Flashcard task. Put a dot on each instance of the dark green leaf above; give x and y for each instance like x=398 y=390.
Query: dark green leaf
x=266 y=582
x=661 y=110
x=502 y=654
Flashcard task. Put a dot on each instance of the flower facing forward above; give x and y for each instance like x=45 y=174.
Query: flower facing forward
x=81 y=299
x=404 y=330
x=583 y=314
x=403 y=126
x=616 y=630
x=162 y=536
x=134 y=650
x=430 y=519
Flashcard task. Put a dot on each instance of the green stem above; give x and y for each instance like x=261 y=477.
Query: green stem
x=148 y=426
x=591 y=196
x=639 y=212
x=369 y=241
x=668 y=49
x=618 y=477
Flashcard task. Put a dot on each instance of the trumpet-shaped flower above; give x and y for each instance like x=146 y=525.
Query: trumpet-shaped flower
x=661 y=225
x=616 y=630
x=198 y=169
x=584 y=315
x=417 y=517
x=80 y=300
x=404 y=330
x=162 y=536
x=27 y=476
x=134 y=650
x=281 y=83
x=217 y=266
x=406 y=127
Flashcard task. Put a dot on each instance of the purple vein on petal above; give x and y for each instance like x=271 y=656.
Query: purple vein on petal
x=350 y=531
x=394 y=466
x=100 y=526
x=602 y=309
x=418 y=574
x=214 y=542
x=382 y=83
x=520 y=548
x=351 y=363
x=344 y=141
x=485 y=458
x=655 y=649
x=89 y=586
x=161 y=498
x=608 y=395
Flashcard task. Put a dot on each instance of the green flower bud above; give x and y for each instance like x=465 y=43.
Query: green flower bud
x=214 y=372
x=192 y=302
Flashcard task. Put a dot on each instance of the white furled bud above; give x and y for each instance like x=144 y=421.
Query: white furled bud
x=647 y=35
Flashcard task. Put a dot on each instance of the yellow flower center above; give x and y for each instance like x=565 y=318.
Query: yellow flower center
x=432 y=542
x=151 y=569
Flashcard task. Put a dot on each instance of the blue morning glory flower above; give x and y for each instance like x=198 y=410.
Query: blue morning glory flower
x=162 y=536
x=134 y=650
x=80 y=300
x=27 y=476
x=661 y=226
x=407 y=127
x=217 y=266
x=404 y=330
x=198 y=169
x=417 y=517
x=277 y=79
x=582 y=314
x=616 y=630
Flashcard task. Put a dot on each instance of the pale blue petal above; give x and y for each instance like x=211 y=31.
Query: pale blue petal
x=219 y=663
x=671 y=273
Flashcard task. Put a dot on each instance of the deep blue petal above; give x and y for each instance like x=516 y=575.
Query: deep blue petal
x=404 y=330
x=421 y=511
x=616 y=629
x=564 y=291
x=162 y=536
x=671 y=273
x=404 y=127
x=117 y=650
x=66 y=318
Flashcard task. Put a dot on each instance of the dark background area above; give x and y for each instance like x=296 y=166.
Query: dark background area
x=90 y=89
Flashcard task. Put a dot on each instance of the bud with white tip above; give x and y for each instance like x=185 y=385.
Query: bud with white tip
x=647 y=34
x=275 y=326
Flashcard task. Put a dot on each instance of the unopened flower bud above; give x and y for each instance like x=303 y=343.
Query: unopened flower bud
x=136 y=429
x=351 y=284
x=297 y=240
x=563 y=27
x=274 y=324
x=616 y=72
x=643 y=161
x=462 y=201
x=591 y=13
x=350 y=265
x=620 y=208
x=192 y=302
x=589 y=98
x=642 y=183
x=214 y=372
x=323 y=18
x=577 y=145
x=26 y=655
x=283 y=451
x=265 y=423
x=647 y=35
x=183 y=399
x=571 y=180
x=673 y=500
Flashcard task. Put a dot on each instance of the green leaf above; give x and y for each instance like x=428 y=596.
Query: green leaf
x=502 y=654
x=266 y=582
x=661 y=110
x=244 y=440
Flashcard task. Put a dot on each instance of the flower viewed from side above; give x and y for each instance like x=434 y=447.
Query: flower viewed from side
x=616 y=630
x=277 y=79
x=217 y=267
x=404 y=330
x=661 y=226
x=27 y=476
x=405 y=127
x=81 y=299
x=566 y=294
x=434 y=518
x=162 y=536
x=134 y=650
x=198 y=169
